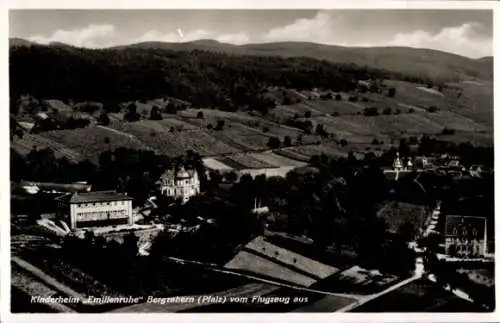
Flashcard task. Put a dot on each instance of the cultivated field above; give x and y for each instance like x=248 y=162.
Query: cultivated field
x=465 y=108
x=243 y=161
x=265 y=258
x=29 y=141
x=176 y=143
x=91 y=142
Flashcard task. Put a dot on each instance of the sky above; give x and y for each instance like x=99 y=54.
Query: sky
x=464 y=32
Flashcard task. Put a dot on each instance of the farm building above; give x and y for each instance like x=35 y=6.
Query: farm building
x=180 y=184
x=95 y=209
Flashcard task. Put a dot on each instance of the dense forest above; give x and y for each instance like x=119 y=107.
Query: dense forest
x=206 y=79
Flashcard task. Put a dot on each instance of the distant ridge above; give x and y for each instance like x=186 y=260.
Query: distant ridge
x=13 y=42
x=415 y=61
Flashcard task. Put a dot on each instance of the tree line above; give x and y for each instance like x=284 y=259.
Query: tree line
x=206 y=79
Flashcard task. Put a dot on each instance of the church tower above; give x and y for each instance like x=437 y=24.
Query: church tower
x=397 y=164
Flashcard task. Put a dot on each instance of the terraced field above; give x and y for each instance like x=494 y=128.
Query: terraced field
x=263 y=257
x=276 y=160
x=244 y=161
x=465 y=108
x=289 y=111
x=176 y=143
x=397 y=125
x=90 y=142
x=344 y=107
x=29 y=141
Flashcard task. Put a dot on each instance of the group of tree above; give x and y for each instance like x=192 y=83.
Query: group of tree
x=370 y=112
x=126 y=170
x=305 y=125
x=324 y=205
x=447 y=275
x=51 y=123
x=203 y=78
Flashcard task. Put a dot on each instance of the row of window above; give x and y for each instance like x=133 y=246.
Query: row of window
x=116 y=203
x=93 y=216
x=181 y=183
x=170 y=191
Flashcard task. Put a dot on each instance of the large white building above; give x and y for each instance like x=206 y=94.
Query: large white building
x=466 y=236
x=180 y=184
x=95 y=209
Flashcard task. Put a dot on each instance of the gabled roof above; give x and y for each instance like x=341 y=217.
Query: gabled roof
x=180 y=173
x=458 y=226
x=99 y=196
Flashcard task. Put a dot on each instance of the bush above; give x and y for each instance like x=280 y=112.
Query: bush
x=132 y=114
x=392 y=92
x=370 y=112
x=447 y=131
x=338 y=97
x=103 y=119
x=343 y=142
x=387 y=111
x=432 y=109
x=220 y=125
x=171 y=109
x=375 y=141
x=353 y=99
x=287 y=141
x=411 y=110
x=274 y=143
x=200 y=115
x=320 y=130
x=413 y=141
x=155 y=113
x=307 y=114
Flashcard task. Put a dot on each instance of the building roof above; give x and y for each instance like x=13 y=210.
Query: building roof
x=98 y=196
x=181 y=173
x=60 y=187
x=465 y=226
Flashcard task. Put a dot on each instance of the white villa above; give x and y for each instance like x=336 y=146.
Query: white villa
x=180 y=184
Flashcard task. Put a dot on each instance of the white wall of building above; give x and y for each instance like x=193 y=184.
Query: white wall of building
x=95 y=211
x=182 y=189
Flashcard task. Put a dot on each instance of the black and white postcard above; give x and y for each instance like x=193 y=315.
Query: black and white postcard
x=335 y=161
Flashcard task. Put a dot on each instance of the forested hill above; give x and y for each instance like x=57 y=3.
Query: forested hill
x=206 y=77
x=411 y=61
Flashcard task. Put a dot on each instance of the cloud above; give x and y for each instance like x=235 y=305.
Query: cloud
x=155 y=35
x=467 y=39
x=237 y=39
x=91 y=36
x=326 y=27
x=319 y=29
x=99 y=36
x=183 y=36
